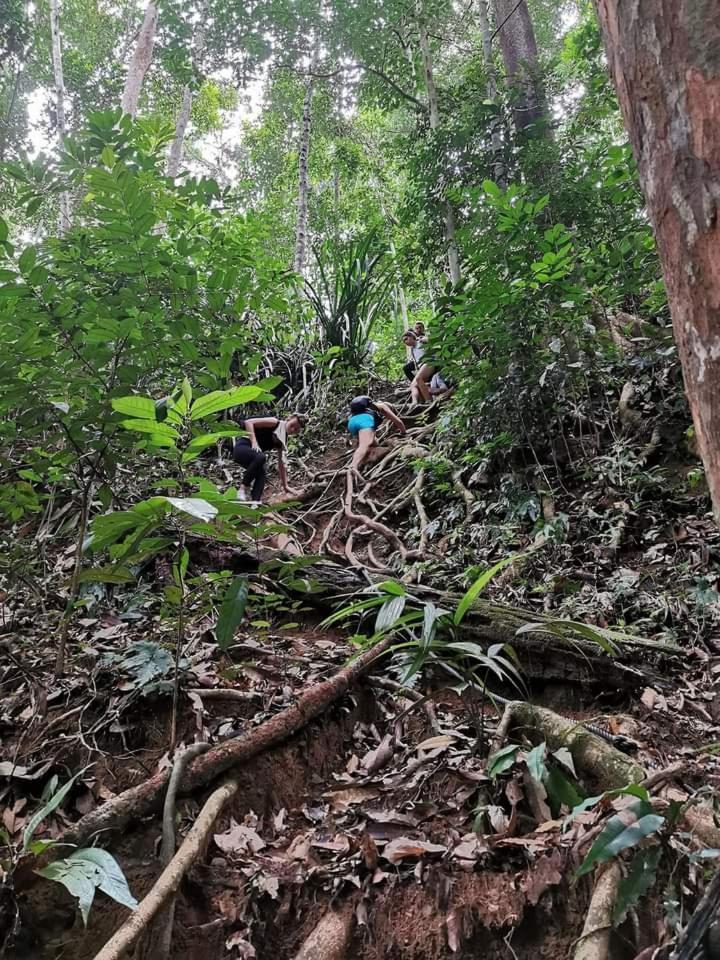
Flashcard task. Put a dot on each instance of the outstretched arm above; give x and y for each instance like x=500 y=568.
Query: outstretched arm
x=385 y=409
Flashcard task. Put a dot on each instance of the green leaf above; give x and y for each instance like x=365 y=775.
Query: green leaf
x=502 y=760
x=193 y=506
x=84 y=872
x=636 y=884
x=392 y=587
x=619 y=834
x=389 y=614
x=479 y=585
x=27 y=259
x=231 y=612
x=536 y=762
x=560 y=791
x=163 y=430
x=200 y=443
x=45 y=811
x=106 y=575
x=223 y=400
x=140 y=408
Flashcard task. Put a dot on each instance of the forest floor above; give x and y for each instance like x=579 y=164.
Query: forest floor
x=381 y=818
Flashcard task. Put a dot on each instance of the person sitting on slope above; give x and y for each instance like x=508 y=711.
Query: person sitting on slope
x=263 y=435
x=366 y=415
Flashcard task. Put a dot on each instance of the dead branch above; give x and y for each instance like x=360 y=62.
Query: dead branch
x=224 y=693
x=703 y=918
x=422 y=513
x=594 y=943
x=379 y=528
x=464 y=493
x=169 y=880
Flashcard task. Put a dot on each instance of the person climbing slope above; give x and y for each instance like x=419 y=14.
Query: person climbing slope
x=366 y=415
x=415 y=349
x=263 y=435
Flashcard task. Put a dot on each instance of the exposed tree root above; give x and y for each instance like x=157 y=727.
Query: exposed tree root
x=169 y=880
x=144 y=798
x=358 y=518
x=594 y=943
x=607 y=765
x=330 y=940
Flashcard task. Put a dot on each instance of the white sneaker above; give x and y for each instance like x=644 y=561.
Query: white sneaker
x=242 y=495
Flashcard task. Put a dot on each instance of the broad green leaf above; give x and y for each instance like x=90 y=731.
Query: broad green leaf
x=223 y=400
x=84 y=872
x=536 y=762
x=391 y=586
x=27 y=259
x=45 y=811
x=636 y=884
x=106 y=575
x=193 y=506
x=389 y=614
x=502 y=760
x=140 y=408
x=231 y=612
x=622 y=833
x=162 y=430
x=479 y=585
x=200 y=443
x=560 y=791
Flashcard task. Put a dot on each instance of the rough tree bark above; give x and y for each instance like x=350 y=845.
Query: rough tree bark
x=453 y=253
x=56 y=48
x=520 y=56
x=141 y=60
x=303 y=178
x=665 y=60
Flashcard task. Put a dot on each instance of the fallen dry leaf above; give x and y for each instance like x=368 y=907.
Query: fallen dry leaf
x=377 y=758
x=341 y=800
x=239 y=839
x=405 y=847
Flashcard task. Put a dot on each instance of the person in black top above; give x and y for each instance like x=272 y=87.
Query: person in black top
x=366 y=415
x=263 y=435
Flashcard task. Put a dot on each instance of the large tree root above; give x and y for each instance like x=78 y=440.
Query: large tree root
x=705 y=916
x=169 y=880
x=594 y=943
x=330 y=940
x=606 y=764
x=143 y=799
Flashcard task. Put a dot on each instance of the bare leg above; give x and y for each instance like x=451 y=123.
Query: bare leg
x=421 y=381
x=366 y=439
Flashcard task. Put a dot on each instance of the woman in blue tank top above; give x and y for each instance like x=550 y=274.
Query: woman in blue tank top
x=366 y=415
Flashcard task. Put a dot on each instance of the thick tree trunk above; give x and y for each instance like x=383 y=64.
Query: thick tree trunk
x=453 y=253
x=303 y=177
x=520 y=56
x=492 y=88
x=64 y=218
x=141 y=60
x=176 y=147
x=665 y=60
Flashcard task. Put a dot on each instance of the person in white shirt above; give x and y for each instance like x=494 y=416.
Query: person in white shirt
x=415 y=348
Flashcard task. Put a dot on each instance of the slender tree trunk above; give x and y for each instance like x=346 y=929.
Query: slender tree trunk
x=520 y=56
x=492 y=89
x=176 y=147
x=64 y=218
x=303 y=178
x=141 y=60
x=665 y=60
x=453 y=254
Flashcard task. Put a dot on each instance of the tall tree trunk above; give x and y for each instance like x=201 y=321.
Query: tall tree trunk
x=665 y=60
x=176 y=147
x=56 y=47
x=453 y=254
x=303 y=178
x=141 y=60
x=491 y=88
x=520 y=56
